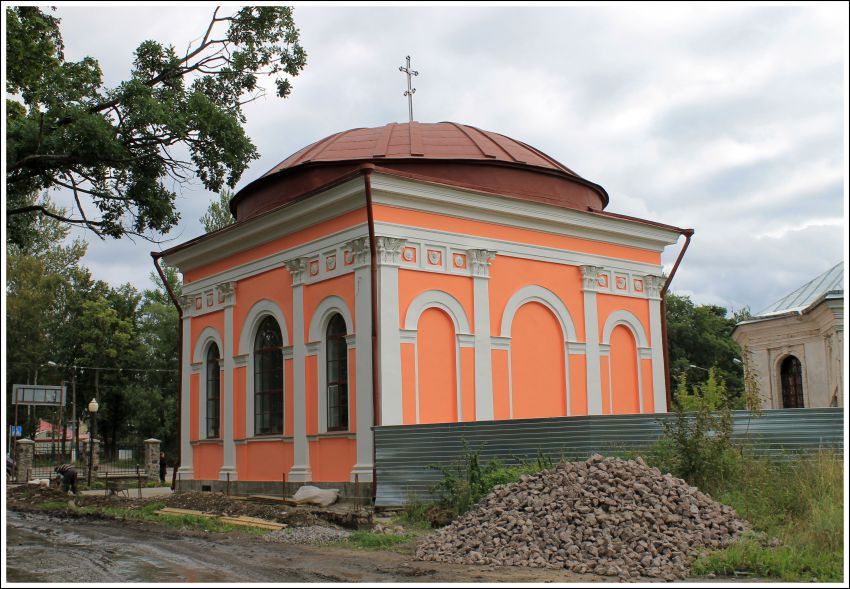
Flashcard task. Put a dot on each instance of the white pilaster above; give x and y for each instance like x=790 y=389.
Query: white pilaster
x=480 y=267
x=185 y=471
x=659 y=384
x=300 y=470
x=225 y=293
x=389 y=346
x=363 y=353
x=591 y=335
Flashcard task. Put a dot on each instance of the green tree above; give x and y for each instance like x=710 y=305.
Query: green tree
x=119 y=150
x=700 y=335
x=218 y=214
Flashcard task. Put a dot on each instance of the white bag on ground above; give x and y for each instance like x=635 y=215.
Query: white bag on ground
x=315 y=495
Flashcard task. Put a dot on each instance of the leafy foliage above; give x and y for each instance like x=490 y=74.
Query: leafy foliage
x=119 y=150
x=701 y=335
x=697 y=443
x=218 y=214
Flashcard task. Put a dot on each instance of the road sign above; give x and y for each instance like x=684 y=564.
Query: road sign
x=15 y=431
x=37 y=394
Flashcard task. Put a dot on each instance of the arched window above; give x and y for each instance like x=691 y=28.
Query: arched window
x=268 y=379
x=337 y=371
x=213 y=390
x=791 y=375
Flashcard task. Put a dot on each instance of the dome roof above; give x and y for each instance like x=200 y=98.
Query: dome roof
x=446 y=153
x=450 y=141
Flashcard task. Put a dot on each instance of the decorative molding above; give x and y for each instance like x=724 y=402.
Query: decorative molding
x=214 y=297
x=623 y=317
x=653 y=285
x=480 y=260
x=296 y=267
x=590 y=277
x=441 y=300
x=407 y=336
x=226 y=293
x=538 y=294
x=356 y=252
x=465 y=340
x=313 y=348
x=389 y=250
x=498 y=342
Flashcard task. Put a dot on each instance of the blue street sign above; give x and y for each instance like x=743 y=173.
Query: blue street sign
x=15 y=431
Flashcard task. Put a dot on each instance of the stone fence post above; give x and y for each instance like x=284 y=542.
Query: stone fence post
x=152 y=458
x=95 y=459
x=24 y=454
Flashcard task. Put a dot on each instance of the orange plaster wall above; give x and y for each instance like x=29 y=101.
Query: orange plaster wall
x=607 y=304
x=331 y=459
x=207 y=460
x=508 y=275
x=578 y=384
x=412 y=283
x=274 y=285
x=314 y=294
x=501 y=380
x=194 y=405
x=214 y=320
x=537 y=363
x=624 y=373
x=239 y=404
x=467 y=382
x=311 y=377
x=264 y=461
x=480 y=228
x=408 y=384
x=275 y=246
x=646 y=378
x=605 y=385
x=437 y=371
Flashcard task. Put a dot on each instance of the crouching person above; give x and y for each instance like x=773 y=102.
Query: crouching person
x=69 y=477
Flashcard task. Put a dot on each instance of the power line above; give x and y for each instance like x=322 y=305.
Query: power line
x=98 y=367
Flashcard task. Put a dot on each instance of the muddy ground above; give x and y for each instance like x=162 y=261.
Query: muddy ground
x=45 y=548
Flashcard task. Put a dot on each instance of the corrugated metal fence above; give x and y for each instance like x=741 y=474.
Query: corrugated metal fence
x=404 y=453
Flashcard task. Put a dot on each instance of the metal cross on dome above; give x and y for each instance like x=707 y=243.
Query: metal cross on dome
x=410 y=91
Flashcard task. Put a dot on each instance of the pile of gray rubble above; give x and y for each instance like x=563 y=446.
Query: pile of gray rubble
x=605 y=516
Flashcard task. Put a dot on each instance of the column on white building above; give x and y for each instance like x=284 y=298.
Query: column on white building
x=389 y=345
x=226 y=293
x=654 y=284
x=359 y=250
x=300 y=470
x=480 y=267
x=589 y=276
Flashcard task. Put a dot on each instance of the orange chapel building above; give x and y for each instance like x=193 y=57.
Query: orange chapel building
x=409 y=274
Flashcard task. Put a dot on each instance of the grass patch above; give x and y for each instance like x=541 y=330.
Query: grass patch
x=801 y=504
x=372 y=541
x=180 y=522
x=54 y=505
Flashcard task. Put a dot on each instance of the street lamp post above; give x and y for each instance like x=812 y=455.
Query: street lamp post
x=93 y=412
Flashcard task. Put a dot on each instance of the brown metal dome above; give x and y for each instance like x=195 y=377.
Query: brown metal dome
x=445 y=153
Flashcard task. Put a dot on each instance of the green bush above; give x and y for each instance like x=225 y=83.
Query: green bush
x=466 y=481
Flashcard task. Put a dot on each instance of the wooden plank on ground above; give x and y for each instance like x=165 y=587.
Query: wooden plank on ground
x=178 y=511
x=252 y=522
x=271 y=499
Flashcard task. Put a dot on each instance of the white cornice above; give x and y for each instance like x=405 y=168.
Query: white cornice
x=395 y=191
x=331 y=203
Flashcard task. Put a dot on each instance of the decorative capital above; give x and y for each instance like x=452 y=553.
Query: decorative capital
x=589 y=277
x=359 y=249
x=187 y=303
x=296 y=267
x=654 y=284
x=226 y=293
x=479 y=262
x=389 y=250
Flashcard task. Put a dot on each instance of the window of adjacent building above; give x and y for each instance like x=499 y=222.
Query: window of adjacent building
x=268 y=379
x=791 y=375
x=337 y=371
x=213 y=390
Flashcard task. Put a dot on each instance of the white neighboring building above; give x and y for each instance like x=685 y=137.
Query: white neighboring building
x=796 y=345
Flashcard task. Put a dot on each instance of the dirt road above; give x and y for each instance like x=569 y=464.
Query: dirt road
x=43 y=548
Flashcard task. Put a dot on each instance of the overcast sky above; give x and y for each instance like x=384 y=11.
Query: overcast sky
x=727 y=119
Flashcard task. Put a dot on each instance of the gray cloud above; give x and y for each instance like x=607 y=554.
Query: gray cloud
x=721 y=118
